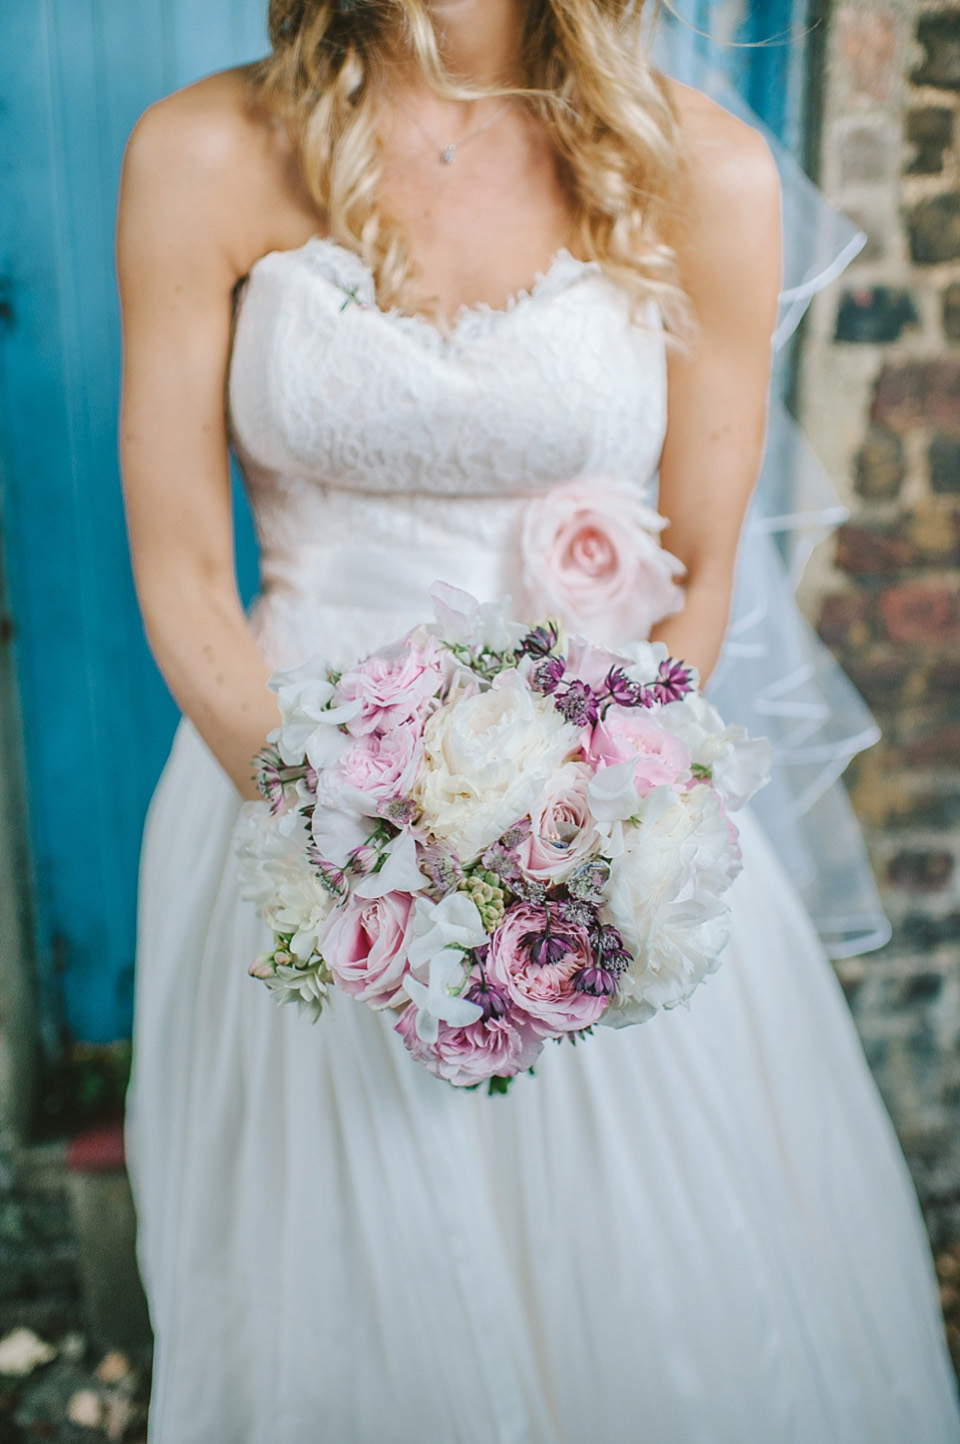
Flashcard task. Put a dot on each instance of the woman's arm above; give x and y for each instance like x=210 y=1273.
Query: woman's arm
x=182 y=244
x=729 y=249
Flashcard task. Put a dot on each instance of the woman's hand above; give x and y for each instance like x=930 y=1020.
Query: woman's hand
x=728 y=243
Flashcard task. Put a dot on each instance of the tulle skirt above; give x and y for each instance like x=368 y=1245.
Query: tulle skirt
x=696 y=1231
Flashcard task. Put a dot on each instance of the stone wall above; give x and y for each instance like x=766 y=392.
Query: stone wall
x=879 y=396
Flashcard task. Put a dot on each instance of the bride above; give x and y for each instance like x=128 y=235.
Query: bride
x=697 y=1230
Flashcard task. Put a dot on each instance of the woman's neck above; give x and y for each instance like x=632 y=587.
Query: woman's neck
x=480 y=40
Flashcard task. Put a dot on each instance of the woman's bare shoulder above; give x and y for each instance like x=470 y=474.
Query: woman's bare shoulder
x=728 y=218
x=725 y=159
x=212 y=157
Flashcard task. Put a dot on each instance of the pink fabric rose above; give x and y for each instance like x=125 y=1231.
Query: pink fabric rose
x=562 y=831
x=546 y=991
x=627 y=732
x=364 y=944
x=393 y=685
x=497 y=1047
x=591 y=556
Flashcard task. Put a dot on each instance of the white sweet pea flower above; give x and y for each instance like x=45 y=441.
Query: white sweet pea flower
x=612 y=792
x=453 y=922
x=464 y=620
x=438 y=1001
x=399 y=872
x=310 y=723
x=739 y=765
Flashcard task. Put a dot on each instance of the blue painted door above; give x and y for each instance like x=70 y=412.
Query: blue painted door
x=74 y=76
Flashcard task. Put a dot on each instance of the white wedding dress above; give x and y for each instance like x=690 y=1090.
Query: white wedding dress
x=697 y=1231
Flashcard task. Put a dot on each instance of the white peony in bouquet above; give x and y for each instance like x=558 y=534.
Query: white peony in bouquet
x=504 y=834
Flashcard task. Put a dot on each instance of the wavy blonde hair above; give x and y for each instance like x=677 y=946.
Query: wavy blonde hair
x=587 y=75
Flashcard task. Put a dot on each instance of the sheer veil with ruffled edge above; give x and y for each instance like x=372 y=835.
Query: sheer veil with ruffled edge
x=775 y=675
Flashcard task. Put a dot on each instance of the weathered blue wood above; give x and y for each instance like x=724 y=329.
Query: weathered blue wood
x=74 y=75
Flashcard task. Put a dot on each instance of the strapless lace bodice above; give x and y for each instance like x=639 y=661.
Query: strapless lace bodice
x=381 y=453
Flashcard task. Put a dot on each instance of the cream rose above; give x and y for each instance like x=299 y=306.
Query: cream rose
x=487 y=760
x=666 y=899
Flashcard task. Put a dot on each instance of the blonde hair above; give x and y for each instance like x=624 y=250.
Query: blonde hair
x=588 y=76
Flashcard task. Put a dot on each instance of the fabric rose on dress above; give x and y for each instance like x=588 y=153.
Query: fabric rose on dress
x=591 y=556
x=536 y=960
x=392 y=685
x=487 y=758
x=626 y=733
x=365 y=947
x=497 y=1047
x=562 y=831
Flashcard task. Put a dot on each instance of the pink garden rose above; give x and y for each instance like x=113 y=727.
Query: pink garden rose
x=546 y=991
x=497 y=1047
x=627 y=732
x=562 y=830
x=393 y=686
x=365 y=944
x=373 y=769
x=592 y=557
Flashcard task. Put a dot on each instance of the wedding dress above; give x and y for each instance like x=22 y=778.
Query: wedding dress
x=696 y=1231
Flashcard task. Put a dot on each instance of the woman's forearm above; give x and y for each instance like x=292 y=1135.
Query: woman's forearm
x=203 y=645
x=696 y=634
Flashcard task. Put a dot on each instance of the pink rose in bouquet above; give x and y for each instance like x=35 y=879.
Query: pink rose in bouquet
x=538 y=960
x=592 y=556
x=562 y=831
x=365 y=947
x=378 y=766
x=494 y=1047
x=393 y=685
x=635 y=733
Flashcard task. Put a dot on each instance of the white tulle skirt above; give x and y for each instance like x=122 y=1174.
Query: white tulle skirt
x=697 y=1231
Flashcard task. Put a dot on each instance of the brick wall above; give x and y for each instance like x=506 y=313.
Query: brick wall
x=880 y=399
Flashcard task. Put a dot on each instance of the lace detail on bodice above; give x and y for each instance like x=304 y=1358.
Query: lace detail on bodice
x=381 y=454
x=326 y=388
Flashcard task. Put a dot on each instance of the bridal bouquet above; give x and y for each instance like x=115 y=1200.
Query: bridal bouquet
x=504 y=834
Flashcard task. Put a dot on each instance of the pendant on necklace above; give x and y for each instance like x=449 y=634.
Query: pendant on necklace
x=447 y=154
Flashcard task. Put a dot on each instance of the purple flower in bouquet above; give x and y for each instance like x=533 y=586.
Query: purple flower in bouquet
x=441 y=865
x=625 y=692
x=493 y=1000
x=332 y=877
x=596 y=982
x=401 y=811
x=547 y=675
x=608 y=946
x=536 y=963
x=275 y=781
x=540 y=641
x=674 y=680
x=577 y=703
